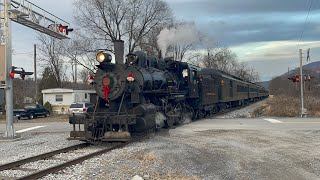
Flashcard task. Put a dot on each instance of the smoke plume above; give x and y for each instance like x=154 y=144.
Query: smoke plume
x=180 y=35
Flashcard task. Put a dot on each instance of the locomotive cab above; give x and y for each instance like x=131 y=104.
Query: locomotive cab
x=187 y=75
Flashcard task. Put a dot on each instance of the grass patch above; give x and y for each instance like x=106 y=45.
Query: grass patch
x=288 y=106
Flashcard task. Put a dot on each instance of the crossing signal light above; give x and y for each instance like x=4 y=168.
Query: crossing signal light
x=294 y=78
x=65 y=28
x=61 y=28
x=21 y=71
x=308 y=77
x=12 y=75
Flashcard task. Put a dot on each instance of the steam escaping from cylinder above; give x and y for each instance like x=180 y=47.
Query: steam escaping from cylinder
x=180 y=35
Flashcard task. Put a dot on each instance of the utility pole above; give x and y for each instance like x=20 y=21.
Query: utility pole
x=75 y=70
x=9 y=82
x=35 y=73
x=303 y=113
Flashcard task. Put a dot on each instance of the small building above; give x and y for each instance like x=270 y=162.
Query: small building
x=61 y=99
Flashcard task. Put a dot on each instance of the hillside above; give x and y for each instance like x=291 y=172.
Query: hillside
x=264 y=84
x=313 y=68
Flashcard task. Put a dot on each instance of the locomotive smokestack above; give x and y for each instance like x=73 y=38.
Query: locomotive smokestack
x=119 y=51
x=159 y=54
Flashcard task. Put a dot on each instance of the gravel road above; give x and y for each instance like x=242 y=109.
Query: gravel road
x=189 y=153
x=213 y=154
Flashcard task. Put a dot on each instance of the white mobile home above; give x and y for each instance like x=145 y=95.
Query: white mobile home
x=61 y=99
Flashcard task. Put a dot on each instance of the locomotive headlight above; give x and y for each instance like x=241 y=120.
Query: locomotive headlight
x=104 y=57
x=101 y=57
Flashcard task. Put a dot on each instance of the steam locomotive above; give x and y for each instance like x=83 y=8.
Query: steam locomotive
x=148 y=93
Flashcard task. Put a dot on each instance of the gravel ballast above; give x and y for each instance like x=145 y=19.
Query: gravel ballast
x=33 y=144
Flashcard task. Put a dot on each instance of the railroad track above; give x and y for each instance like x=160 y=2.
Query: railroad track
x=50 y=155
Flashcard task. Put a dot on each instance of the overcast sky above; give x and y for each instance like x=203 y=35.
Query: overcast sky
x=263 y=33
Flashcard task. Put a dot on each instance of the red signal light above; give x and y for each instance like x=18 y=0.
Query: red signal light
x=65 y=28
x=12 y=75
x=295 y=79
x=61 y=29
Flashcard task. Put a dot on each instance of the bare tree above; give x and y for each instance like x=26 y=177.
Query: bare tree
x=149 y=43
x=219 y=58
x=130 y=20
x=84 y=75
x=143 y=17
x=179 y=51
x=79 y=51
x=225 y=60
x=51 y=56
x=102 y=18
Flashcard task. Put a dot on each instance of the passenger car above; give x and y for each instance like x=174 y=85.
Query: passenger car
x=78 y=109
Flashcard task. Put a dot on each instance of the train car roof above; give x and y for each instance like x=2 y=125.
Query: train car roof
x=209 y=71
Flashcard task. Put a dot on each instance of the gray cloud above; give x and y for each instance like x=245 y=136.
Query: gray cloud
x=236 y=32
x=233 y=22
x=239 y=6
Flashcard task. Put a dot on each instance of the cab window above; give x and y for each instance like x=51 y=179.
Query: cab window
x=193 y=77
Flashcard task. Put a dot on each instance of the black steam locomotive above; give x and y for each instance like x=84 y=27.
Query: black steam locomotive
x=147 y=93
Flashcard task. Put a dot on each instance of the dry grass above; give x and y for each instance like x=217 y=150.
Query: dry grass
x=285 y=106
x=260 y=111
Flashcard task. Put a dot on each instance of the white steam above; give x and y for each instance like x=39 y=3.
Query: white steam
x=181 y=35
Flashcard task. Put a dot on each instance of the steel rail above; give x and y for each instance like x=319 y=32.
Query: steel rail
x=41 y=156
x=59 y=167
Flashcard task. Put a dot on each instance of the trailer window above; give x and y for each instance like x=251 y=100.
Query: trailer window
x=59 y=98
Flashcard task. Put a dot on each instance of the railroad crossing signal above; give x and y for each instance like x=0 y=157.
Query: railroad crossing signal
x=19 y=70
x=32 y=16
x=297 y=78
x=65 y=29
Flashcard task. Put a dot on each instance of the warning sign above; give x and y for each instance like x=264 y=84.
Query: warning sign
x=2 y=64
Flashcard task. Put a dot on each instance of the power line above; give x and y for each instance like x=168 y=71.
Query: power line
x=305 y=22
